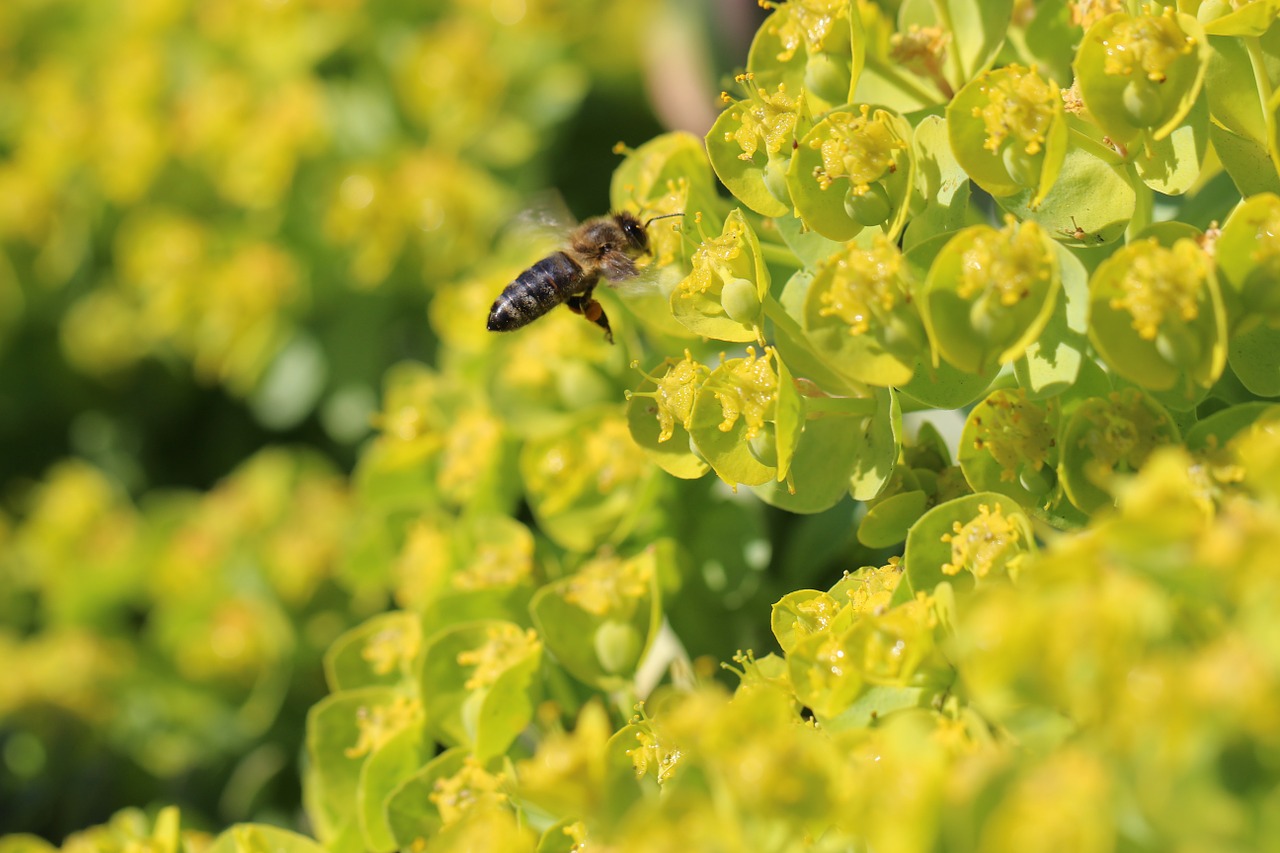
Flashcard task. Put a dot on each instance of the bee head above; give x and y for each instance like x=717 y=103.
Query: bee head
x=633 y=229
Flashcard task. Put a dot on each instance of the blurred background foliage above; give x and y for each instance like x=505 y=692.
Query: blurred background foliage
x=220 y=224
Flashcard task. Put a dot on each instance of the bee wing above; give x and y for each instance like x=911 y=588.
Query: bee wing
x=651 y=279
x=546 y=221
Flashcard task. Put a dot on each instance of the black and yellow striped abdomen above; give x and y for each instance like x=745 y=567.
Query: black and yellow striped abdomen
x=535 y=291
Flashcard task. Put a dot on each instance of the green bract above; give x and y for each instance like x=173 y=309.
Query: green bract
x=1009 y=131
x=1157 y=318
x=816 y=46
x=732 y=422
x=1106 y=437
x=722 y=296
x=989 y=294
x=751 y=144
x=1140 y=75
x=859 y=314
x=853 y=170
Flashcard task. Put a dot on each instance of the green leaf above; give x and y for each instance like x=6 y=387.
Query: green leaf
x=455 y=606
x=809 y=247
x=263 y=838
x=876 y=704
x=947 y=387
x=837 y=451
x=333 y=732
x=380 y=652
x=479 y=684
x=929 y=542
x=410 y=812
x=1253 y=19
x=1252 y=355
x=880 y=440
x=941 y=187
x=1089 y=193
x=789 y=420
x=599 y=623
x=1248 y=162
x=888 y=521
x=1051 y=38
x=1171 y=165
x=1052 y=362
x=1233 y=103
x=384 y=771
x=794 y=347
x=1213 y=433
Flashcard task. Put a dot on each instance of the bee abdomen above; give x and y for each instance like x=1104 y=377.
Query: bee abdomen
x=535 y=291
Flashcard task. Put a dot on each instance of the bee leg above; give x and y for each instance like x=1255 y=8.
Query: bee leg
x=592 y=310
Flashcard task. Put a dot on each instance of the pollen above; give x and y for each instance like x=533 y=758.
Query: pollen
x=875 y=591
x=472 y=441
x=377 y=724
x=712 y=261
x=806 y=23
x=498 y=565
x=766 y=119
x=1160 y=284
x=1020 y=107
x=860 y=147
x=921 y=49
x=1016 y=432
x=649 y=755
x=472 y=784
x=675 y=394
x=390 y=649
x=1085 y=13
x=1008 y=264
x=750 y=393
x=866 y=284
x=987 y=543
x=1150 y=43
x=505 y=645
x=1123 y=433
x=818 y=613
x=609 y=585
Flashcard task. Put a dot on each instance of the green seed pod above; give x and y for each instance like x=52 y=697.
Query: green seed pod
x=871 y=207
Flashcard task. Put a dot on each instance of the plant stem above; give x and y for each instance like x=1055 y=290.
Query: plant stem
x=1107 y=155
x=907 y=85
x=943 y=10
x=1144 y=208
x=780 y=255
x=1260 y=78
x=840 y=405
x=774 y=311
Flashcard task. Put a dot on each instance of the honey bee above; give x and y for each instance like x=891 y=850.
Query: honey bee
x=603 y=247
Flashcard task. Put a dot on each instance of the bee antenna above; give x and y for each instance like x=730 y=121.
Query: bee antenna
x=663 y=216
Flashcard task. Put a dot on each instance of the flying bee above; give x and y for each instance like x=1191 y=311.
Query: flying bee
x=603 y=247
